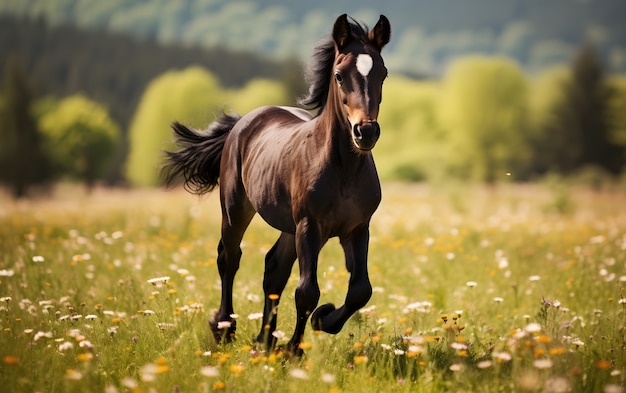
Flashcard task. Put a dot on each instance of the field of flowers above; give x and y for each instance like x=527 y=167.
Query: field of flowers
x=506 y=289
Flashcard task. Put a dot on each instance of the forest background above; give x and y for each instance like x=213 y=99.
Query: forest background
x=484 y=90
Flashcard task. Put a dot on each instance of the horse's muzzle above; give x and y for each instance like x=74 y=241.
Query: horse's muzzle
x=366 y=135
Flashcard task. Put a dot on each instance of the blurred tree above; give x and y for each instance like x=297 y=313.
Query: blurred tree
x=81 y=138
x=412 y=146
x=22 y=159
x=484 y=111
x=256 y=93
x=548 y=136
x=584 y=115
x=192 y=96
x=617 y=111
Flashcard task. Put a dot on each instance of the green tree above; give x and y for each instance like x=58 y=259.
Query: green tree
x=552 y=149
x=192 y=96
x=412 y=145
x=257 y=92
x=81 y=138
x=22 y=160
x=585 y=114
x=617 y=111
x=484 y=112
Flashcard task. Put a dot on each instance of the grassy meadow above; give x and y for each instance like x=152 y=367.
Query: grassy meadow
x=514 y=288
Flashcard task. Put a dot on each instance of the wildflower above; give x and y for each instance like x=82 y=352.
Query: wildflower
x=361 y=359
x=533 y=327
x=415 y=350
x=7 y=273
x=299 y=373
x=157 y=280
x=85 y=344
x=66 y=346
x=498 y=299
x=147 y=312
x=41 y=334
x=91 y=317
x=455 y=367
x=543 y=339
x=84 y=357
x=130 y=383
x=613 y=388
x=471 y=284
x=5 y=299
x=398 y=352
x=328 y=378
x=237 y=369
x=224 y=324
x=534 y=278
x=10 y=360
x=502 y=356
x=279 y=334
x=578 y=343
x=219 y=385
x=255 y=316
x=73 y=375
x=210 y=371
x=542 y=363
x=484 y=364
x=38 y=259
x=604 y=364
x=305 y=345
x=558 y=385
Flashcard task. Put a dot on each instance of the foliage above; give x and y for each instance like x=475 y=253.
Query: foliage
x=412 y=145
x=22 y=160
x=114 y=69
x=485 y=116
x=81 y=138
x=617 y=114
x=192 y=96
x=584 y=116
x=503 y=295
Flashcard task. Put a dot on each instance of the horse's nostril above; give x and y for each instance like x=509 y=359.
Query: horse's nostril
x=357 y=132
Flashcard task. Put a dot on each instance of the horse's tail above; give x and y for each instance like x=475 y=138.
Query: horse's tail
x=198 y=160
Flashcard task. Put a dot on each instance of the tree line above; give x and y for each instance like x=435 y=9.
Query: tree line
x=114 y=69
x=105 y=116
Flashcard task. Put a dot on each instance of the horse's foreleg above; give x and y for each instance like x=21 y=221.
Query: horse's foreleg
x=278 y=263
x=308 y=244
x=329 y=319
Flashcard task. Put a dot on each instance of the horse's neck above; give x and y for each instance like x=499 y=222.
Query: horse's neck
x=338 y=143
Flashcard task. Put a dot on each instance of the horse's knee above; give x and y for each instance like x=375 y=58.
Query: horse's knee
x=307 y=296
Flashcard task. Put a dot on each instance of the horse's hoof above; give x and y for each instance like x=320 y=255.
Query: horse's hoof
x=319 y=314
x=223 y=331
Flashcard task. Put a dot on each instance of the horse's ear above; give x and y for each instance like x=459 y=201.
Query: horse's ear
x=381 y=33
x=341 y=31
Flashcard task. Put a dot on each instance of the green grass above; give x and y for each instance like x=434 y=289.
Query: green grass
x=476 y=290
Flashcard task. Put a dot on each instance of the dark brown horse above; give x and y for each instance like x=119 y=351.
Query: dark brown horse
x=310 y=177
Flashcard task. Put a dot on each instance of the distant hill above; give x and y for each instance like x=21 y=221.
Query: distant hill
x=427 y=34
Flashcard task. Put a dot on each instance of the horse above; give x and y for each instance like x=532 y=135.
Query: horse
x=312 y=177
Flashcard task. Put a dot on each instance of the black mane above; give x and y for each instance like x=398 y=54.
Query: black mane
x=319 y=73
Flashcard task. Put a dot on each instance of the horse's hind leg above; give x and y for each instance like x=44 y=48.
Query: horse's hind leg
x=278 y=264
x=235 y=221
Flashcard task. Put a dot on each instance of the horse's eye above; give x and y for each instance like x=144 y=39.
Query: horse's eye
x=338 y=77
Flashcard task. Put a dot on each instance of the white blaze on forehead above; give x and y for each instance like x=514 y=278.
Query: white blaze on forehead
x=364 y=64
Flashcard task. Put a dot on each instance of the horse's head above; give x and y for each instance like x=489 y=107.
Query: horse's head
x=358 y=75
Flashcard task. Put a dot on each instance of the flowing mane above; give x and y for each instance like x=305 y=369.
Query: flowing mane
x=319 y=73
